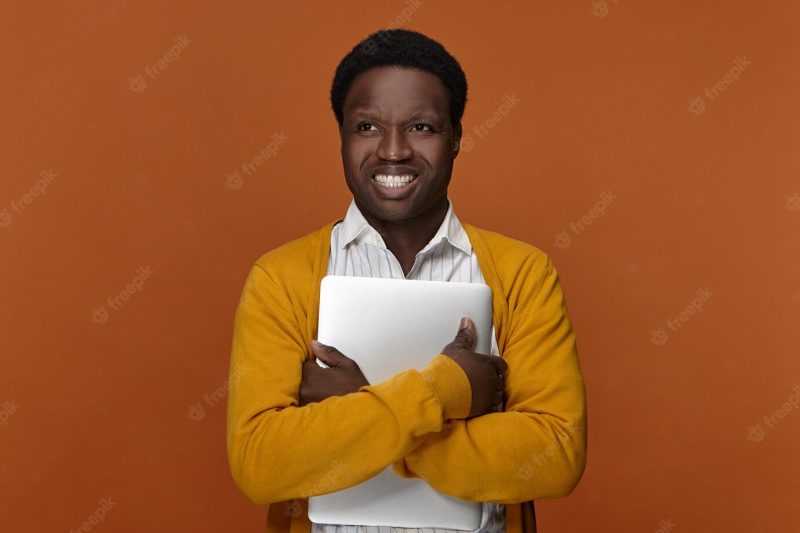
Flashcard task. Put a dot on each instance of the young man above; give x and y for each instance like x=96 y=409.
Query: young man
x=296 y=429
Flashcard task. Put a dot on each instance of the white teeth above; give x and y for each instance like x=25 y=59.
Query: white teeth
x=394 y=181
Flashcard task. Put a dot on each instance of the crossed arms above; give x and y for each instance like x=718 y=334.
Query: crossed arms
x=416 y=421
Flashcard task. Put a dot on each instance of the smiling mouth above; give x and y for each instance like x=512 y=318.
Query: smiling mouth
x=394 y=181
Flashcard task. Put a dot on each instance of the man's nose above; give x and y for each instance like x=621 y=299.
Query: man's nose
x=394 y=146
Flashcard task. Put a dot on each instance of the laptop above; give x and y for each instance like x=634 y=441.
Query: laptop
x=387 y=326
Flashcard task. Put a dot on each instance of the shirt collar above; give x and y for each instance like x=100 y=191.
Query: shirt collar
x=355 y=227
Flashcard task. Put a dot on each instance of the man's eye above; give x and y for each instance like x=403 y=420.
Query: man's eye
x=422 y=127
x=364 y=126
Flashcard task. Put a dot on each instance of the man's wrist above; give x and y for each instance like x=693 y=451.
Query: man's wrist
x=450 y=385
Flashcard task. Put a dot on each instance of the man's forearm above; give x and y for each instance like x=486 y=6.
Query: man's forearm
x=278 y=450
x=294 y=452
x=507 y=457
x=537 y=448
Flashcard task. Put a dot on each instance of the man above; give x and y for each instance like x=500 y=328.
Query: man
x=297 y=430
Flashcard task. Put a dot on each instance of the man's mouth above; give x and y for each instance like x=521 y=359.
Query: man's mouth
x=392 y=181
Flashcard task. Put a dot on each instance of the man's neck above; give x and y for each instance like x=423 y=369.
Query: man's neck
x=407 y=238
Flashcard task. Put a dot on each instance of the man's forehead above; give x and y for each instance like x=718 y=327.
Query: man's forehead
x=396 y=85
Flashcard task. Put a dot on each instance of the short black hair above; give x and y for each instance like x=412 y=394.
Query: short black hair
x=403 y=48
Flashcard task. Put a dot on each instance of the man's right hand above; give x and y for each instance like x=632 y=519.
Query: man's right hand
x=485 y=372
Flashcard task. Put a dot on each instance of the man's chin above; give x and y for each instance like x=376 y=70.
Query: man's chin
x=393 y=216
x=390 y=211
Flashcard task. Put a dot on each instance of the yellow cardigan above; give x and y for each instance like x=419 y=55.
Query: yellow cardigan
x=280 y=453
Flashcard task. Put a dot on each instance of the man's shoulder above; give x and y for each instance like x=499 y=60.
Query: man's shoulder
x=509 y=251
x=298 y=253
x=519 y=267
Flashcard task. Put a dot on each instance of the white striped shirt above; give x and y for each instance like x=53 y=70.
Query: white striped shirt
x=357 y=249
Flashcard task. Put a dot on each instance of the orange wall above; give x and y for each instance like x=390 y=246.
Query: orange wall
x=101 y=184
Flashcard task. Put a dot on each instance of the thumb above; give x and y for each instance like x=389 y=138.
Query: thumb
x=328 y=354
x=466 y=334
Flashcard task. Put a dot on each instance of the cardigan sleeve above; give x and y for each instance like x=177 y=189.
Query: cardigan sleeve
x=279 y=450
x=536 y=448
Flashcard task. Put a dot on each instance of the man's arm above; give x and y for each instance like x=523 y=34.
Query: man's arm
x=537 y=447
x=279 y=450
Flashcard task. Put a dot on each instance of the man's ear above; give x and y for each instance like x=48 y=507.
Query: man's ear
x=457 y=131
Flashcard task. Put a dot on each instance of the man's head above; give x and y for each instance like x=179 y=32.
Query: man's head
x=404 y=48
x=398 y=97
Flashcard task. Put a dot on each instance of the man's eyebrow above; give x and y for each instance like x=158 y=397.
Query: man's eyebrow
x=364 y=113
x=426 y=115
x=369 y=114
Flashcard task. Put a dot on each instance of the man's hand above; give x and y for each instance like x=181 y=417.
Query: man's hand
x=342 y=377
x=485 y=372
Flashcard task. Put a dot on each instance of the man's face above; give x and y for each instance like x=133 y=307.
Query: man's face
x=397 y=125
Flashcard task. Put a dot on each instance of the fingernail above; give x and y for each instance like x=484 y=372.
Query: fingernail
x=316 y=343
x=464 y=322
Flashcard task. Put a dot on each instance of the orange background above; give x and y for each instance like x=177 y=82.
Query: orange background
x=701 y=200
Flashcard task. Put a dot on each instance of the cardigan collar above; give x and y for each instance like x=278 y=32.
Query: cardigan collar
x=485 y=260
x=355 y=228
